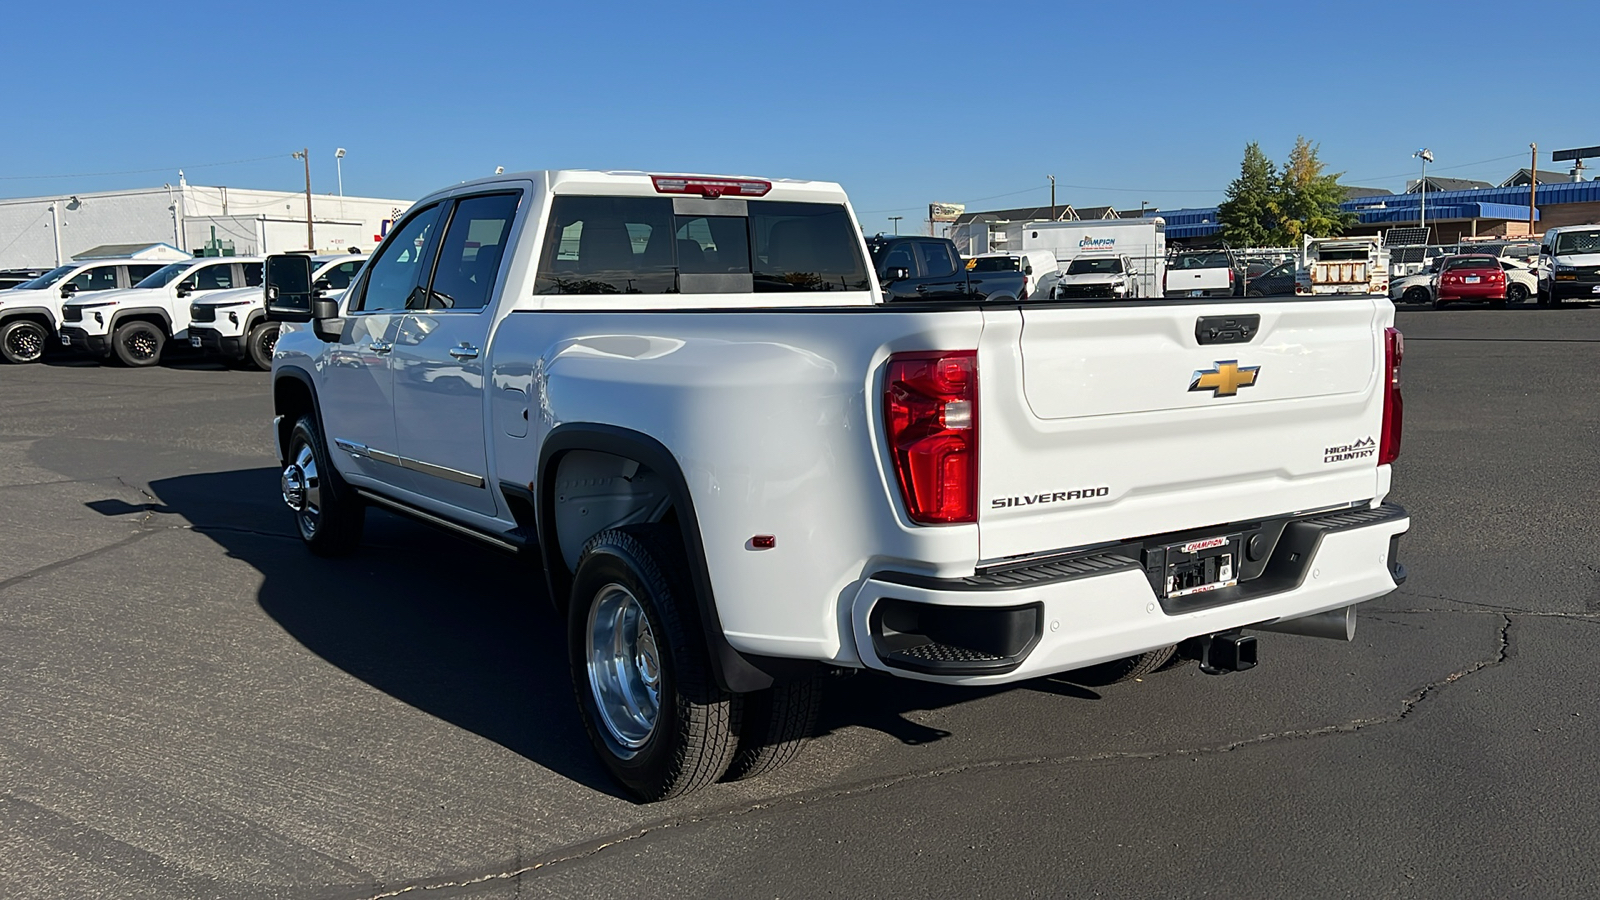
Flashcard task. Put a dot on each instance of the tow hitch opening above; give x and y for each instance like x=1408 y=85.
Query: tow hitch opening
x=1219 y=654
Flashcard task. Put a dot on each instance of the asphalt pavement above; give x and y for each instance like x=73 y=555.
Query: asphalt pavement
x=192 y=706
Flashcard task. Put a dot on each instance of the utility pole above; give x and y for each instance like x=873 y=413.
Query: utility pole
x=1052 y=197
x=1533 y=186
x=896 y=221
x=304 y=154
x=1427 y=157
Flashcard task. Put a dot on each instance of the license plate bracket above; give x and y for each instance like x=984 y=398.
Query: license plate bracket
x=1201 y=565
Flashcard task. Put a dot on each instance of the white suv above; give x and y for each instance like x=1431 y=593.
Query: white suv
x=134 y=325
x=233 y=323
x=30 y=313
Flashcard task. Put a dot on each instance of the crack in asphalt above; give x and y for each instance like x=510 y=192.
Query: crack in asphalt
x=1408 y=705
x=47 y=568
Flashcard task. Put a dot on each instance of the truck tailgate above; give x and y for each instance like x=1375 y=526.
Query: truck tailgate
x=1106 y=424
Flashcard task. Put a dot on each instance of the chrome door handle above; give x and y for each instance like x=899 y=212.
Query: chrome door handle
x=465 y=351
x=382 y=346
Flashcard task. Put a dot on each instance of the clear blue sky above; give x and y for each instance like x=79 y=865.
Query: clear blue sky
x=902 y=103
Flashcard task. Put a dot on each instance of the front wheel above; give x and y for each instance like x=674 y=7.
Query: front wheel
x=640 y=669
x=138 y=344
x=1517 y=293
x=259 y=345
x=1417 y=295
x=23 y=341
x=327 y=511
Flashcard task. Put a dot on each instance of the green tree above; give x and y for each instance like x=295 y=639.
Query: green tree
x=1307 y=200
x=1250 y=216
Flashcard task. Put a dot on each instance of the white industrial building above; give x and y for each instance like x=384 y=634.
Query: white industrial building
x=39 y=232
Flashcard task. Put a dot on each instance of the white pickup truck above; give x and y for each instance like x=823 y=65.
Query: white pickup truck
x=740 y=468
x=232 y=324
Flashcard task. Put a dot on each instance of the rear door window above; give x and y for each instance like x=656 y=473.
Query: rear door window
x=138 y=273
x=470 y=256
x=936 y=256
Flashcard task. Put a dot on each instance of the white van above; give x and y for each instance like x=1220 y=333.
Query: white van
x=1569 y=264
x=1038 y=265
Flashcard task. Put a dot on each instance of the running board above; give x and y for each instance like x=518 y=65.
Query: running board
x=514 y=541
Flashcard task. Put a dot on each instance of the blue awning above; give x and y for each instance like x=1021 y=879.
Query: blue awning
x=1444 y=212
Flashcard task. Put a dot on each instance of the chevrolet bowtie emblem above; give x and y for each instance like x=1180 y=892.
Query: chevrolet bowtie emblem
x=1225 y=379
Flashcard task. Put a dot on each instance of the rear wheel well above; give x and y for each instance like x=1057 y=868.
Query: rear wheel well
x=592 y=491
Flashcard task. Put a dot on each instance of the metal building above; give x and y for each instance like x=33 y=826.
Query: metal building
x=47 y=231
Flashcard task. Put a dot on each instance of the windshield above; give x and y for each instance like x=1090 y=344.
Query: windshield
x=995 y=264
x=1094 y=267
x=164 y=275
x=45 y=280
x=1577 y=242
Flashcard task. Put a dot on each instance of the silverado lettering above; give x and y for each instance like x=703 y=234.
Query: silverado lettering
x=1057 y=497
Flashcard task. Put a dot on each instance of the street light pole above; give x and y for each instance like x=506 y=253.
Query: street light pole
x=1427 y=157
x=896 y=221
x=338 y=166
x=304 y=154
x=1052 y=197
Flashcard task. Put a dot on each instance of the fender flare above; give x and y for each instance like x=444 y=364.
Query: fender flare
x=121 y=314
x=735 y=671
x=293 y=373
x=44 y=312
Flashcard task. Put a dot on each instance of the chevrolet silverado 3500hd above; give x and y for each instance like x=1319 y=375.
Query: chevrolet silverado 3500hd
x=739 y=467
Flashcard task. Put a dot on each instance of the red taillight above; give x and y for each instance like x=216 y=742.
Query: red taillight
x=930 y=403
x=1393 y=407
x=710 y=187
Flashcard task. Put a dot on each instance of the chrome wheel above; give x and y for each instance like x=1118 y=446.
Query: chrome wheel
x=624 y=668
x=302 y=490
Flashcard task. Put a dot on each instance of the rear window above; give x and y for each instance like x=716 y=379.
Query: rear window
x=1472 y=262
x=1204 y=261
x=638 y=245
x=994 y=264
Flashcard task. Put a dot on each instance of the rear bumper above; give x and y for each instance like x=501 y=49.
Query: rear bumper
x=77 y=339
x=1101 y=606
x=1472 y=292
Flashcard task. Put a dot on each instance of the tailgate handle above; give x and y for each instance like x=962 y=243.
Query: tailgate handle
x=1226 y=329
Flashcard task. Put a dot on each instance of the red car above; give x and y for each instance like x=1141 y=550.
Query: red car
x=1470 y=277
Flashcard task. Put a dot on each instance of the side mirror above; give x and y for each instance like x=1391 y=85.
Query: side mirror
x=286 y=281
x=890 y=276
x=1027 y=270
x=67 y=290
x=184 y=289
x=323 y=284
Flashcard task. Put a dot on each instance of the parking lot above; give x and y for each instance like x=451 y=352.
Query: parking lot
x=193 y=706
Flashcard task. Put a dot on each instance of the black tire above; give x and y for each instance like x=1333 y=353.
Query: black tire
x=259 y=344
x=1256 y=293
x=331 y=515
x=1438 y=303
x=138 y=344
x=1417 y=295
x=635 y=579
x=23 y=341
x=1516 y=293
x=1125 y=669
x=776 y=725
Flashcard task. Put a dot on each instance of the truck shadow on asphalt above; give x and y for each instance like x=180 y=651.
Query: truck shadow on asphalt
x=462 y=632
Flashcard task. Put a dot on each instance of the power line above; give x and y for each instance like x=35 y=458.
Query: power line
x=231 y=162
